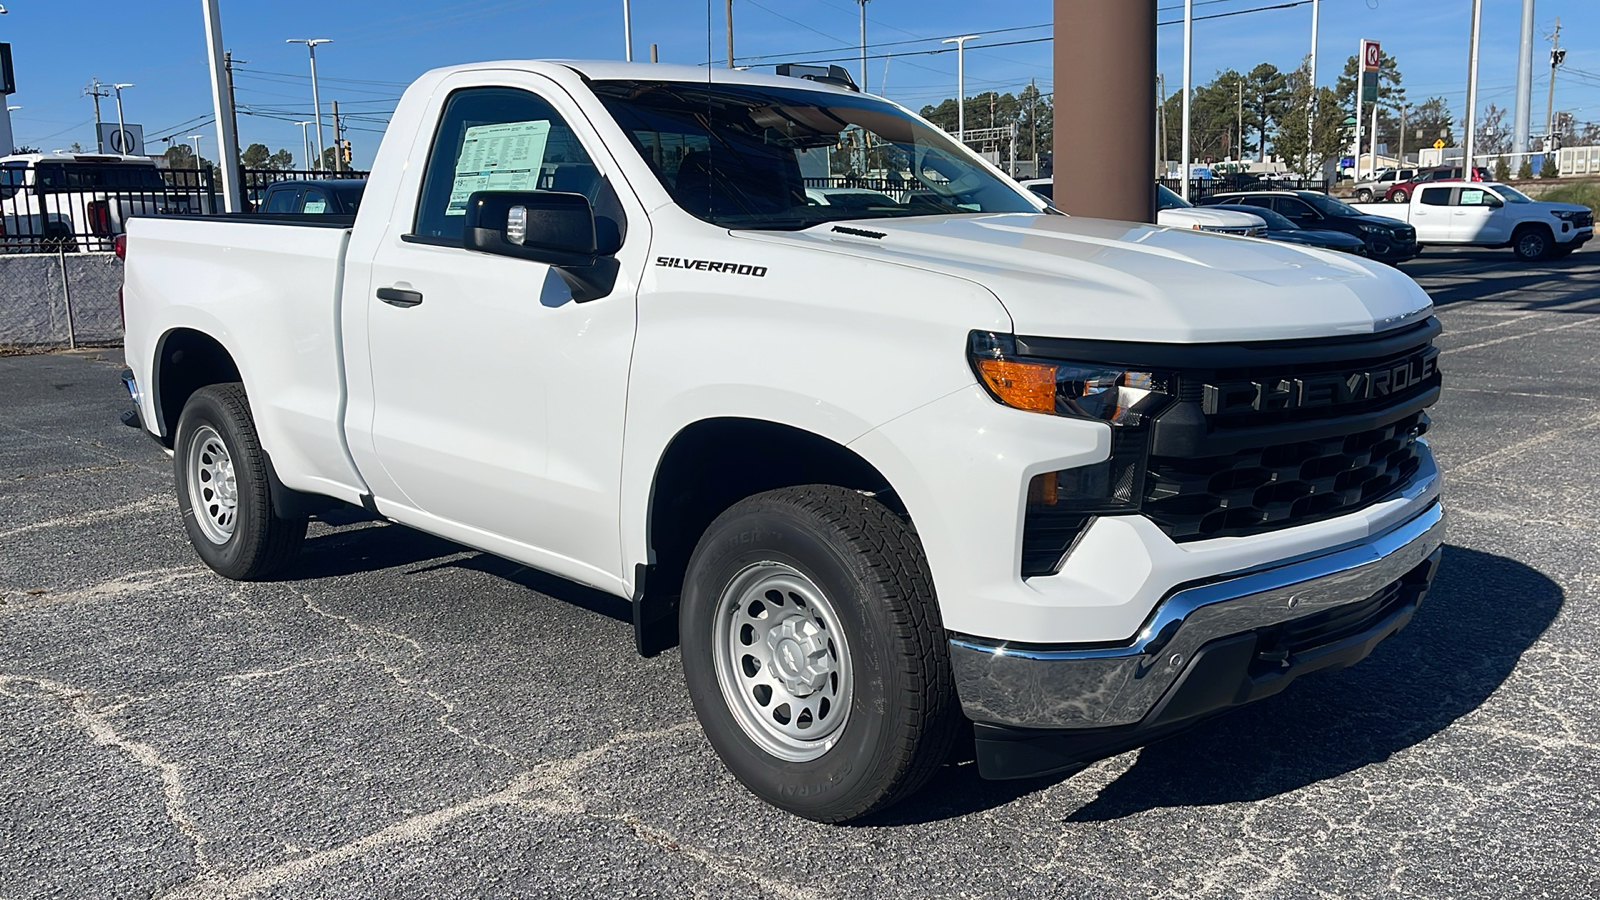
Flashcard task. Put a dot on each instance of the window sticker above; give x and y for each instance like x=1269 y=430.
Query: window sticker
x=1472 y=198
x=316 y=207
x=503 y=157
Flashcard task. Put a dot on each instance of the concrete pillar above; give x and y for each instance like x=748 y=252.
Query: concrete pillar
x=1105 y=97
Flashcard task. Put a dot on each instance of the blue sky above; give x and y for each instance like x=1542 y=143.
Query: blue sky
x=379 y=45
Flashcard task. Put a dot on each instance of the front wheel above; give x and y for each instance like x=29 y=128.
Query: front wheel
x=1363 y=196
x=1532 y=244
x=814 y=653
x=224 y=489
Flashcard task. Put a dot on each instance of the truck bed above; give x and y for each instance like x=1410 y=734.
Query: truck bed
x=268 y=288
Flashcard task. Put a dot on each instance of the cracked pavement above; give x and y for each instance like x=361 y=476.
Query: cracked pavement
x=404 y=717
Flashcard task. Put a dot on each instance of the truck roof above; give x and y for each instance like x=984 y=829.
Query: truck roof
x=613 y=70
x=66 y=156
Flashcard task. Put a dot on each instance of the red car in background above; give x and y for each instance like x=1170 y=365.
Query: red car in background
x=1401 y=193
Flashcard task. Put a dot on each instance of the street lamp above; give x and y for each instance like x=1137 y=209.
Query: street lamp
x=961 y=82
x=316 y=102
x=196 y=138
x=863 y=43
x=627 y=32
x=305 y=138
x=122 y=130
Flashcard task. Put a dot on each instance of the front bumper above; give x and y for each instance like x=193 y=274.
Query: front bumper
x=1204 y=649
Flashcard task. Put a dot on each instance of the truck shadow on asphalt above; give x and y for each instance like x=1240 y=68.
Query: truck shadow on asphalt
x=1576 y=280
x=1483 y=613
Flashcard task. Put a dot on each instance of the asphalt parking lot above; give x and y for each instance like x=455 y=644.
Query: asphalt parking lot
x=406 y=718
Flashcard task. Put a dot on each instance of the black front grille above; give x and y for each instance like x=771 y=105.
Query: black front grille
x=1271 y=487
x=1583 y=220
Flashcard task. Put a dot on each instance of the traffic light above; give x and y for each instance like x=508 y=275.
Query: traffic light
x=345 y=152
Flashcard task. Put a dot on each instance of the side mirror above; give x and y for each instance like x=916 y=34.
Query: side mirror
x=541 y=226
x=1495 y=202
x=544 y=226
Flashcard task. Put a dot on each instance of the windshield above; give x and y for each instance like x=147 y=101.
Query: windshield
x=742 y=156
x=1166 y=198
x=1329 y=206
x=1511 y=194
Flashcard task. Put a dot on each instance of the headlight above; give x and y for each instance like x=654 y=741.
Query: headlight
x=1105 y=393
x=1366 y=228
x=1566 y=215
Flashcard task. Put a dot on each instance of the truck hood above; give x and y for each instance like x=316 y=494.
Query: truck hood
x=1197 y=217
x=1061 y=276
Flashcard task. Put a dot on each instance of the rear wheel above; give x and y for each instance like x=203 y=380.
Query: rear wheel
x=1400 y=196
x=814 y=653
x=1532 y=243
x=224 y=489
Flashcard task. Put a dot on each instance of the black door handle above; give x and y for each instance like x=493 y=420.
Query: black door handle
x=398 y=297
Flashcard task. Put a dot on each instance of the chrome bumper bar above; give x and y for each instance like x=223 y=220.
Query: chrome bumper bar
x=1030 y=686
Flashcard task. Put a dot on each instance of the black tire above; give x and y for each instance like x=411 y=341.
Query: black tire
x=902 y=717
x=1532 y=243
x=254 y=542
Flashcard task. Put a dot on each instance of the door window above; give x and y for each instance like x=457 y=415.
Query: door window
x=1298 y=210
x=12 y=178
x=282 y=200
x=498 y=139
x=1436 y=196
x=1478 y=197
x=316 y=202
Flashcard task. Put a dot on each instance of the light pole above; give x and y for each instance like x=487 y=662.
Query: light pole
x=122 y=130
x=1467 y=172
x=627 y=33
x=1188 y=88
x=305 y=138
x=1311 y=105
x=863 y=43
x=961 y=82
x=316 y=102
x=196 y=138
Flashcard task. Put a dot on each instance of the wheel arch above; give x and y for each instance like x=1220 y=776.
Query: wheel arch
x=708 y=466
x=185 y=361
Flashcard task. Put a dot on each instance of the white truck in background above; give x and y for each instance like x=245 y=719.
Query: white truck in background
x=1488 y=214
x=73 y=202
x=891 y=473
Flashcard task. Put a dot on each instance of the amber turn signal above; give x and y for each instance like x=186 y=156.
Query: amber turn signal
x=1024 y=385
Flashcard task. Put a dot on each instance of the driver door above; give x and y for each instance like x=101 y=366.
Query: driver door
x=499 y=400
x=1477 y=217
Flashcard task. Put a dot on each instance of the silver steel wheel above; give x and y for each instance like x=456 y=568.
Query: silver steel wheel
x=782 y=661
x=213 y=493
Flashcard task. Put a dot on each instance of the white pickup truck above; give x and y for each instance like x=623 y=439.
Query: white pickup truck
x=62 y=201
x=953 y=465
x=1480 y=214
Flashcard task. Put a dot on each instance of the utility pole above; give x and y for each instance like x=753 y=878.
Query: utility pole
x=1400 y=158
x=863 y=42
x=1241 y=118
x=1524 y=112
x=961 y=83
x=1033 y=123
x=222 y=104
x=94 y=90
x=1557 y=56
x=316 y=102
x=730 y=37
x=233 y=107
x=1472 y=91
x=338 y=141
x=1161 y=154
